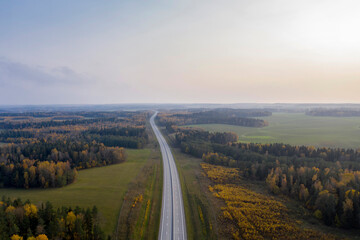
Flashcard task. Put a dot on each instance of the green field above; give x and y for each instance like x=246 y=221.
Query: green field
x=299 y=129
x=104 y=187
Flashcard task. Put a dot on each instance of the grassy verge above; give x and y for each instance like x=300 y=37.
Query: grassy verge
x=140 y=213
x=104 y=187
x=200 y=216
x=139 y=217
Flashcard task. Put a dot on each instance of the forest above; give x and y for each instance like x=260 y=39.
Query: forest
x=129 y=137
x=220 y=116
x=24 y=220
x=39 y=150
x=331 y=112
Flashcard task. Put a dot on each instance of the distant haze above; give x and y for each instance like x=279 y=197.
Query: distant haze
x=89 y=51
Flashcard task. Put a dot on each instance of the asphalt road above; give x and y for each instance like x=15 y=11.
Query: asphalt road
x=172 y=223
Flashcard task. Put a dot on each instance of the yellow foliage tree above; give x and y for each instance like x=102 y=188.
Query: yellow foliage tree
x=16 y=237
x=30 y=210
x=70 y=219
x=10 y=209
x=42 y=237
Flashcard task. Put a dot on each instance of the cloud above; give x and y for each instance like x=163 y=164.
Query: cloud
x=27 y=84
x=20 y=74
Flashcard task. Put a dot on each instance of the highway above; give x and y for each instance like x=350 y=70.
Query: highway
x=172 y=222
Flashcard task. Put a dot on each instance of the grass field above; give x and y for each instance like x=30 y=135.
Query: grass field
x=299 y=129
x=104 y=187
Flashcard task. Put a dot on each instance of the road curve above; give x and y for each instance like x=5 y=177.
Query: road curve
x=172 y=222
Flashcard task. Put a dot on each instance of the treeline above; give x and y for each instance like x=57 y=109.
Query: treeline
x=221 y=116
x=326 y=180
x=325 y=112
x=230 y=112
x=125 y=131
x=24 y=220
x=185 y=134
x=52 y=164
x=113 y=131
x=78 y=153
x=51 y=123
x=332 y=193
x=122 y=141
x=44 y=120
x=279 y=149
x=77 y=114
x=33 y=174
x=15 y=134
x=114 y=114
x=197 y=142
x=129 y=137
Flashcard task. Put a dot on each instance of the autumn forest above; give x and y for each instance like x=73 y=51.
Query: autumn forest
x=234 y=189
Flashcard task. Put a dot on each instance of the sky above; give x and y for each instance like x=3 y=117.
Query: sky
x=204 y=51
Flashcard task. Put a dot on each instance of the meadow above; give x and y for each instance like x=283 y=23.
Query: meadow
x=104 y=187
x=298 y=129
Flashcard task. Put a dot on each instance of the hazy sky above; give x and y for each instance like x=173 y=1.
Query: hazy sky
x=88 y=51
